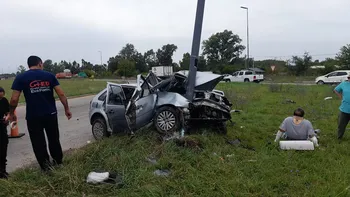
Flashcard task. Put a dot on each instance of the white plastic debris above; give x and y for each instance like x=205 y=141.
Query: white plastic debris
x=162 y=172
x=297 y=145
x=182 y=132
x=88 y=142
x=328 y=98
x=94 y=177
x=13 y=125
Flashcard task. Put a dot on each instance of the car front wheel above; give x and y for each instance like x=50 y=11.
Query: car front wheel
x=320 y=82
x=99 y=129
x=166 y=120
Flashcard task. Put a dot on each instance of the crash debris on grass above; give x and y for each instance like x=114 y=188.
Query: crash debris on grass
x=163 y=173
x=104 y=177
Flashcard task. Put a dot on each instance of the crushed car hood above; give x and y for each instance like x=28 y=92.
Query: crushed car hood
x=207 y=81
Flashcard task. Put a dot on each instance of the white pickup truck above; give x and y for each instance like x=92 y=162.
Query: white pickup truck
x=244 y=76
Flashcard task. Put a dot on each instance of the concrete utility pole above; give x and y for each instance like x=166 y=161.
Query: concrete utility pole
x=247 y=60
x=101 y=57
x=196 y=41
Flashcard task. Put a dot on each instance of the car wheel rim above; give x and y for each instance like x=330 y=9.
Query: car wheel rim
x=98 y=130
x=166 y=120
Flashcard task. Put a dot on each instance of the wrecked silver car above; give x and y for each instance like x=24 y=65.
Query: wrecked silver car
x=129 y=107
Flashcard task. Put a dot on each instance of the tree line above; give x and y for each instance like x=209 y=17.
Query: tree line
x=221 y=53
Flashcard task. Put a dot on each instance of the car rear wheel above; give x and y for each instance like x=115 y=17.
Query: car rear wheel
x=320 y=82
x=99 y=129
x=166 y=120
x=246 y=80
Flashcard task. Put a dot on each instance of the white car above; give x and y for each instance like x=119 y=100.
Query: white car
x=333 y=78
x=244 y=76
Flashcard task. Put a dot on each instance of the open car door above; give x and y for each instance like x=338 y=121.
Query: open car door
x=115 y=107
x=140 y=109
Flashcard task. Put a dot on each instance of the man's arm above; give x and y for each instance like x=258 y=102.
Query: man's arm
x=340 y=95
x=62 y=97
x=14 y=101
x=339 y=91
x=281 y=130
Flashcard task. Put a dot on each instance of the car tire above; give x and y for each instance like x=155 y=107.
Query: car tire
x=166 y=120
x=246 y=80
x=99 y=129
x=320 y=82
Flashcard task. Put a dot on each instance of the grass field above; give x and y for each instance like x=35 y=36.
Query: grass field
x=262 y=171
x=289 y=79
x=73 y=87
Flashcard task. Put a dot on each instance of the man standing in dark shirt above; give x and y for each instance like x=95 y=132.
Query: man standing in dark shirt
x=4 y=110
x=41 y=112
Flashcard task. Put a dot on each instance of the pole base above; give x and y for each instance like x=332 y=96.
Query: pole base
x=18 y=136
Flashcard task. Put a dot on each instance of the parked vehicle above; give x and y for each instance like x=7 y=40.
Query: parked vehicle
x=128 y=107
x=162 y=71
x=226 y=78
x=64 y=75
x=244 y=76
x=334 y=77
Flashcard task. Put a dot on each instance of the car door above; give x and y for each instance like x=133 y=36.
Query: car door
x=240 y=76
x=140 y=109
x=331 y=77
x=234 y=77
x=341 y=76
x=115 y=107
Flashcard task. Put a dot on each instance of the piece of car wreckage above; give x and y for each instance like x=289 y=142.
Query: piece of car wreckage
x=129 y=107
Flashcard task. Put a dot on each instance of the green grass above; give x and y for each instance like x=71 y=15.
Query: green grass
x=71 y=87
x=289 y=79
x=267 y=171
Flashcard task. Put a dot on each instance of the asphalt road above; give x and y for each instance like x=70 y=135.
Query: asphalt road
x=74 y=133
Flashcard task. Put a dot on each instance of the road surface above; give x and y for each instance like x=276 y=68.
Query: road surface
x=73 y=133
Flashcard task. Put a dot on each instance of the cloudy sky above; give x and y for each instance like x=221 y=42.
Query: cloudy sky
x=75 y=29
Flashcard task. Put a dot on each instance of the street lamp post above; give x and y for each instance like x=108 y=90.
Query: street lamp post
x=247 y=60
x=101 y=57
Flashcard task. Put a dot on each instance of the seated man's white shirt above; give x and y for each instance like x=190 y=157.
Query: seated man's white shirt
x=300 y=131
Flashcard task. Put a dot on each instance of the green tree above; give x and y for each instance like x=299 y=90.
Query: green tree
x=344 y=56
x=129 y=52
x=126 y=68
x=202 y=63
x=185 y=62
x=150 y=59
x=112 y=64
x=301 y=64
x=48 y=66
x=75 y=69
x=330 y=62
x=21 y=69
x=165 y=54
x=222 y=48
x=85 y=65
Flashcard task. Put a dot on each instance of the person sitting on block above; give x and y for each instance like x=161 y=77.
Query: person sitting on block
x=297 y=128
